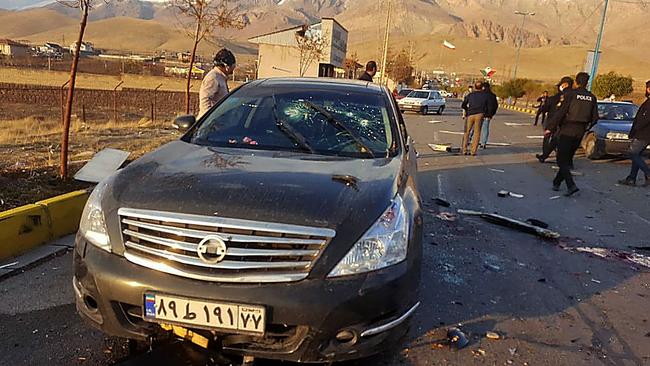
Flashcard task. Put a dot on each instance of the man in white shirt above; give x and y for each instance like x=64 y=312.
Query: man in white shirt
x=215 y=83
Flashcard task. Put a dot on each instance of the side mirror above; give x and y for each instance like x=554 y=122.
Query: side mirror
x=183 y=123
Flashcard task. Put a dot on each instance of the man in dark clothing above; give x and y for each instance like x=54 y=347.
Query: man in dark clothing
x=371 y=70
x=640 y=135
x=578 y=111
x=550 y=108
x=475 y=106
x=493 y=106
x=541 y=103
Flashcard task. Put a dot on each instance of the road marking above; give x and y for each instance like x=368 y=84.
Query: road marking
x=497 y=170
x=516 y=124
x=499 y=144
x=452 y=132
x=439 y=179
x=535 y=137
x=432 y=122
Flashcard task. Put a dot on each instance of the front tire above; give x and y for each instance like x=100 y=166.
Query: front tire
x=591 y=148
x=441 y=109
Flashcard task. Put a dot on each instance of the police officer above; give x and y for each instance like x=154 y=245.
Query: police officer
x=578 y=111
x=550 y=108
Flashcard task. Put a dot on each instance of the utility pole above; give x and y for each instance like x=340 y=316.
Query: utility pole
x=384 y=78
x=521 y=38
x=594 y=64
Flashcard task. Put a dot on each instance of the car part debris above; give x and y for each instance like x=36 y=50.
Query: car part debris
x=492 y=335
x=102 y=165
x=513 y=224
x=511 y=194
x=537 y=223
x=447 y=216
x=441 y=202
x=444 y=148
x=457 y=338
x=607 y=253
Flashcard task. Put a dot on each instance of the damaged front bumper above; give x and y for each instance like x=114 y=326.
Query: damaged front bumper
x=313 y=320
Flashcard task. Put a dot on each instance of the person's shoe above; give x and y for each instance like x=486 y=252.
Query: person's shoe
x=571 y=191
x=628 y=182
x=556 y=187
x=541 y=158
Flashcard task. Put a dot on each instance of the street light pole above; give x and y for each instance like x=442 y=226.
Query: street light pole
x=383 y=62
x=594 y=64
x=521 y=40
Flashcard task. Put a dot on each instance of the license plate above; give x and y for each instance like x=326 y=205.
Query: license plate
x=205 y=314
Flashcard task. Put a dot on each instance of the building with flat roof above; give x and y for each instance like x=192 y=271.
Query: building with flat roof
x=13 y=49
x=315 y=50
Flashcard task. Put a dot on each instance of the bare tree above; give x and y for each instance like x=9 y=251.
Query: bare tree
x=200 y=19
x=84 y=7
x=351 y=65
x=311 y=44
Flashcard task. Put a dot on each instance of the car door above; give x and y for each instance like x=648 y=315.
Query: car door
x=431 y=100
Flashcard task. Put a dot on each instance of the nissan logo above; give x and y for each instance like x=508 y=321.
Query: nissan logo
x=212 y=249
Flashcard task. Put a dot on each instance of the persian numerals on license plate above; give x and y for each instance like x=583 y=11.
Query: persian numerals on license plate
x=242 y=318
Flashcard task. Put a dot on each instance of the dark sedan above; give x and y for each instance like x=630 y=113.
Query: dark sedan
x=285 y=224
x=610 y=135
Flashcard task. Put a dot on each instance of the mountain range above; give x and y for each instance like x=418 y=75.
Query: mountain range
x=487 y=30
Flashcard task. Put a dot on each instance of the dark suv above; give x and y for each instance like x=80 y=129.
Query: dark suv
x=284 y=224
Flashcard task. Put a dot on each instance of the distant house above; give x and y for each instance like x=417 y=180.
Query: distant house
x=280 y=52
x=13 y=49
x=50 y=49
x=86 y=48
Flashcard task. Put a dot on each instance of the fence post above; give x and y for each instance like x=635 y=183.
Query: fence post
x=83 y=113
x=153 y=105
x=115 y=101
x=63 y=100
x=190 y=96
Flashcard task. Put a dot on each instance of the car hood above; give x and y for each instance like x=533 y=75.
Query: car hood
x=283 y=187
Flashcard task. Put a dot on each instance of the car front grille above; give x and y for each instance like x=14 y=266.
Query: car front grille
x=257 y=252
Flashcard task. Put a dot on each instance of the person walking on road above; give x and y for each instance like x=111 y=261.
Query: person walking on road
x=541 y=104
x=578 y=111
x=640 y=135
x=215 y=83
x=371 y=71
x=493 y=106
x=475 y=106
x=550 y=108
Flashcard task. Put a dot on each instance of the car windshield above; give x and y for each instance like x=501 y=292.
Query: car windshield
x=617 y=112
x=419 y=94
x=405 y=92
x=319 y=121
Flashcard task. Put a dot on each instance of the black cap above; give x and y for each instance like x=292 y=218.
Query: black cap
x=566 y=79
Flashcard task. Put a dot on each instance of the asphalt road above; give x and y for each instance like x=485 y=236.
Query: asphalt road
x=548 y=304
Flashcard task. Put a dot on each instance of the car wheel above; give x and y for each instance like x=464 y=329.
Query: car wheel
x=425 y=110
x=441 y=109
x=591 y=148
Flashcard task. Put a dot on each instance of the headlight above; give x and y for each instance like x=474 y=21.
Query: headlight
x=617 y=136
x=383 y=245
x=93 y=225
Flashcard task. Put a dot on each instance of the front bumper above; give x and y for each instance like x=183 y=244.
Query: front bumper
x=410 y=107
x=303 y=318
x=614 y=147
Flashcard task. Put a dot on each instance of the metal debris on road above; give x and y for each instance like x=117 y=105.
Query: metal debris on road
x=503 y=193
x=457 y=338
x=595 y=281
x=497 y=170
x=513 y=224
x=441 y=202
x=492 y=335
x=447 y=216
x=554 y=197
x=607 y=253
x=444 y=148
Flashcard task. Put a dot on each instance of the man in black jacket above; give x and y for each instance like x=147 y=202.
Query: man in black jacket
x=578 y=111
x=475 y=106
x=640 y=135
x=541 y=103
x=371 y=70
x=550 y=108
x=493 y=106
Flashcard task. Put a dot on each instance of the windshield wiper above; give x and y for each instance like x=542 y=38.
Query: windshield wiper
x=288 y=131
x=338 y=125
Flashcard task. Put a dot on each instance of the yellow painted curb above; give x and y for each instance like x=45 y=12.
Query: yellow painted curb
x=26 y=227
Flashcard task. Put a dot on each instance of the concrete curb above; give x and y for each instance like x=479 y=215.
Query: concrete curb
x=26 y=227
x=519 y=109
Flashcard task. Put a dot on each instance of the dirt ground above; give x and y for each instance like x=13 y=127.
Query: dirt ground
x=30 y=153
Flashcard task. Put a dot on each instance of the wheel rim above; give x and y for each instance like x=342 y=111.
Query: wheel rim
x=591 y=147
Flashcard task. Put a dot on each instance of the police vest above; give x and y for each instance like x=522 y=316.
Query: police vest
x=582 y=106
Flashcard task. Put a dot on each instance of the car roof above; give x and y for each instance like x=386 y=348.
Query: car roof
x=320 y=83
x=426 y=90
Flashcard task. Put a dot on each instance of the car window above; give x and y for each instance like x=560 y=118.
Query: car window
x=617 y=112
x=419 y=94
x=258 y=118
x=405 y=92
